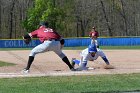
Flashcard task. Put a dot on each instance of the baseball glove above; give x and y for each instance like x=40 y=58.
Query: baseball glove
x=27 y=39
x=109 y=67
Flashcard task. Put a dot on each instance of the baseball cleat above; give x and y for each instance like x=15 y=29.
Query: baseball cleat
x=72 y=69
x=72 y=62
x=25 y=71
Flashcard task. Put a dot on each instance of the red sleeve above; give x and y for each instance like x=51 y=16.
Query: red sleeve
x=34 y=33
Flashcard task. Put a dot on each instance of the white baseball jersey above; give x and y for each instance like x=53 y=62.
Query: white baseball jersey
x=86 y=56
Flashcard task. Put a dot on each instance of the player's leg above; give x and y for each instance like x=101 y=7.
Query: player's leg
x=57 y=49
x=74 y=61
x=38 y=49
x=82 y=66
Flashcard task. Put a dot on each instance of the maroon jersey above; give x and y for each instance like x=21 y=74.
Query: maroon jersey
x=45 y=34
x=94 y=33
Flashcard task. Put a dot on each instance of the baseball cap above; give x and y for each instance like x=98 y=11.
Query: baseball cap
x=44 y=23
x=92 y=48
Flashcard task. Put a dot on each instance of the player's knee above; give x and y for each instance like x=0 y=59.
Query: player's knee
x=32 y=53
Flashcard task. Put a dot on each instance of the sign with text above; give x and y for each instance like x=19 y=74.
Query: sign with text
x=17 y=43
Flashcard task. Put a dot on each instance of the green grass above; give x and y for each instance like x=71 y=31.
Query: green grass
x=72 y=84
x=2 y=63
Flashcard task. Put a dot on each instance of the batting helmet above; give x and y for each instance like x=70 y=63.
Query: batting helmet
x=92 y=48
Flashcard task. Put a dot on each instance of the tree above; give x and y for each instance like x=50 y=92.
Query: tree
x=106 y=18
x=11 y=18
x=71 y=18
x=0 y=18
x=46 y=10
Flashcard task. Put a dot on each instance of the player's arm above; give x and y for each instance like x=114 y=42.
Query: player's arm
x=33 y=34
x=27 y=38
x=107 y=66
x=103 y=56
x=94 y=41
x=105 y=60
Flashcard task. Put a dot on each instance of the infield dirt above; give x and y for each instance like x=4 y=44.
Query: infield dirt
x=49 y=64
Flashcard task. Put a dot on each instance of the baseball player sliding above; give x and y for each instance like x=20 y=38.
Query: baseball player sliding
x=90 y=54
x=51 y=41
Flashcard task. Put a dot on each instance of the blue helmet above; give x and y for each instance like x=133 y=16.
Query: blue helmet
x=92 y=48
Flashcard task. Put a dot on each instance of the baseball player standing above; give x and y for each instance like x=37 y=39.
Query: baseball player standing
x=90 y=54
x=51 y=41
x=94 y=36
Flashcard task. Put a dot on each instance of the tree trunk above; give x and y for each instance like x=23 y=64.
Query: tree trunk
x=124 y=17
x=107 y=21
x=0 y=19
x=11 y=19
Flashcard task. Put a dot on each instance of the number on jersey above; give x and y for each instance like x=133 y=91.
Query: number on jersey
x=48 y=30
